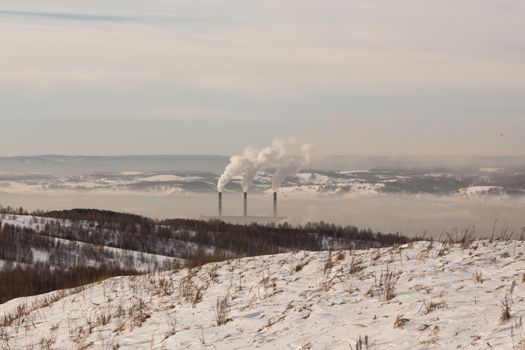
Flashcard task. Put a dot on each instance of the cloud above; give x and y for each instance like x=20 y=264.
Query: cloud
x=67 y=16
x=369 y=63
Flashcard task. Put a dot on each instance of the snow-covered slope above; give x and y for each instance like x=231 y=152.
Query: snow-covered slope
x=78 y=252
x=446 y=297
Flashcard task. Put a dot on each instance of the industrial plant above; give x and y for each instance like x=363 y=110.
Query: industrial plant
x=245 y=167
x=245 y=218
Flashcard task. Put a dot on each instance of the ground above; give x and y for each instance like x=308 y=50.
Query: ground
x=417 y=296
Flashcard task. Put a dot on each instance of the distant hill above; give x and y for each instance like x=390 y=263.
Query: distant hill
x=80 y=165
x=352 y=162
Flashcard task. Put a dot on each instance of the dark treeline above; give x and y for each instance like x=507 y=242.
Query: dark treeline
x=41 y=278
x=12 y=210
x=179 y=237
x=98 y=216
x=257 y=240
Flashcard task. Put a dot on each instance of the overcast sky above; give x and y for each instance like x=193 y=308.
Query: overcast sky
x=375 y=77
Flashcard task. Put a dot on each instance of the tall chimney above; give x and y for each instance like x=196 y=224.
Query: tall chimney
x=245 y=209
x=275 y=204
x=220 y=205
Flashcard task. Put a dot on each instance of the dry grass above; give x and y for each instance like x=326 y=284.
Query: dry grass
x=420 y=287
x=103 y=319
x=213 y=273
x=505 y=303
x=171 y=331
x=425 y=252
x=400 y=322
x=428 y=306
x=20 y=315
x=187 y=288
x=328 y=263
x=517 y=334
x=271 y=322
x=268 y=282
x=164 y=287
x=328 y=282
x=120 y=311
x=361 y=343
x=356 y=265
x=464 y=239
x=512 y=286
x=197 y=297
x=469 y=236
x=445 y=247
x=79 y=336
x=48 y=343
x=138 y=312
x=376 y=255
x=388 y=281
x=299 y=267
x=222 y=308
x=478 y=277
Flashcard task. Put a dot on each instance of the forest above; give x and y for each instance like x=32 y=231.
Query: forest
x=62 y=249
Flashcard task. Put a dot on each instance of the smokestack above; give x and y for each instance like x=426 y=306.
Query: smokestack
x=275 y=204
x=245 y=211
x=220 y=205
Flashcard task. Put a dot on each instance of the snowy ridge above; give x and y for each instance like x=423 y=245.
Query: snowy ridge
x=163 y=183
x=77 y=250
x=474 y=191
x=445 y=297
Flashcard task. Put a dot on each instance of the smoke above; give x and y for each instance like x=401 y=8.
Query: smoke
x=291 y=165
x=252 y=160
x=247 y=164
x=236 y=165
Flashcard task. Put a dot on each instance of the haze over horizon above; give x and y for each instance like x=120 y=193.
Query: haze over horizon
x=123 y=155
x=174 y=77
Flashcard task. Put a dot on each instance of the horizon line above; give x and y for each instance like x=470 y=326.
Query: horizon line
x=222 y=155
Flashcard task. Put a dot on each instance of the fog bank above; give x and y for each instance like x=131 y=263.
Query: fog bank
x=408 y=214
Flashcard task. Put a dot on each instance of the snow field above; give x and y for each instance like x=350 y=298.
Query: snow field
x=417 y=296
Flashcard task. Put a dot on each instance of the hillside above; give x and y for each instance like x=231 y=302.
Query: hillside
x=63 y=249
x=415 y=296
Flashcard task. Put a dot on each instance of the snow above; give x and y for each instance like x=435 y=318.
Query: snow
x=36 y=223
x=13 y=264
x=25 y=221
x=291 y=301
x=490 y=170
x=480 y=190
x=40 y=255
x=142 y=261
x=306 y=178
x=351 y=172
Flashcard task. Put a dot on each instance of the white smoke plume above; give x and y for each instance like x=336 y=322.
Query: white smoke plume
x=247 y=164
x=290 y=166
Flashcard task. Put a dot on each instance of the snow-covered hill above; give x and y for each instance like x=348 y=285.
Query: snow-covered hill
x=493 y=181
x=417 y=296
x=60 y=252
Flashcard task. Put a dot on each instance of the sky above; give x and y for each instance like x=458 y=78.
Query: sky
x=381 y=77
